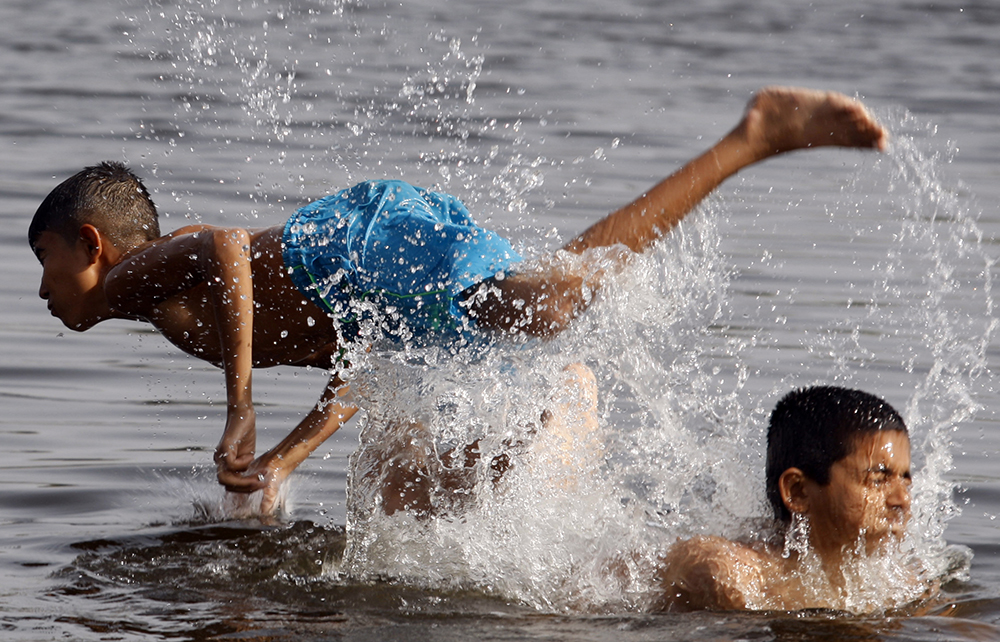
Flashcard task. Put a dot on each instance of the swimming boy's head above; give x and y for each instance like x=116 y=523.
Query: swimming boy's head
x=841 y=458
x=109 y=197
x=79 y=230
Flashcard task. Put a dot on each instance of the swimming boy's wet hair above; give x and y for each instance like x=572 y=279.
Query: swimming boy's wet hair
x=813 y=428
x=109 y=197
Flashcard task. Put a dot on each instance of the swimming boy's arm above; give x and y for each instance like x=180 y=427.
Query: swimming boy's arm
x=219 y=258
x=331 y=412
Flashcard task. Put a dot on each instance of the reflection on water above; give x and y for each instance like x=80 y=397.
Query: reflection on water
x=242 y=582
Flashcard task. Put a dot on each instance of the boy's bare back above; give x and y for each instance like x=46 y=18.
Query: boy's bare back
x=287 y=328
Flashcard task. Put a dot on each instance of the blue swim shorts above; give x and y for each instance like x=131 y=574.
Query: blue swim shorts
x=393 y=257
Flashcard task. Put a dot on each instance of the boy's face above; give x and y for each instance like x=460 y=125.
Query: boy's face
x=868 y=495
x=70 y=281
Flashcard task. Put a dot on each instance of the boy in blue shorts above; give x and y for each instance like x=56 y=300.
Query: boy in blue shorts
x=381 y=258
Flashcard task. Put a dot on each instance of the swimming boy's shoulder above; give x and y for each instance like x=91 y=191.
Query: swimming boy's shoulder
x=156 y=270
x=191 y=238
x=715 y=573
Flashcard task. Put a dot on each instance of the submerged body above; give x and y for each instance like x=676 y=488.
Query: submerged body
x=861 y=512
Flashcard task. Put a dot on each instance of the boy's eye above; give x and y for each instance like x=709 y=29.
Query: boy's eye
x=877 y=476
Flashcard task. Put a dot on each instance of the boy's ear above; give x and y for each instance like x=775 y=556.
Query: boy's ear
x=92 y=240
x=792 y=486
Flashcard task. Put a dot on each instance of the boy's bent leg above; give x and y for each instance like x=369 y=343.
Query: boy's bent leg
x=412 y=477
x=569 y=447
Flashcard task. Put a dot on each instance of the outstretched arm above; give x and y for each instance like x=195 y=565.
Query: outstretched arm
x=270 y=469
x=220 y=259
x=777 y=120
x=231 y=292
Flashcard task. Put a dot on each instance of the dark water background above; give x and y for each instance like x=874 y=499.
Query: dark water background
x=542 y=115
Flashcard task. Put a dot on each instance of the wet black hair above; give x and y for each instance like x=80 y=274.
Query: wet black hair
x=109 y=197
x=813 y=428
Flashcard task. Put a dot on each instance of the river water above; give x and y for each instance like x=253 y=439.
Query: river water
x=873 y=271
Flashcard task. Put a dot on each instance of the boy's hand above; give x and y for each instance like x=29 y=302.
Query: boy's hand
x=235 y=452
x=267 y=473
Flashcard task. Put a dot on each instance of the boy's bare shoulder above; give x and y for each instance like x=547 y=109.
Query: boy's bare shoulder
x=162 y=268
x=709 y=572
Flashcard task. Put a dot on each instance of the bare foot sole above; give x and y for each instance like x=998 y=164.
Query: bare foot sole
x=781 y=119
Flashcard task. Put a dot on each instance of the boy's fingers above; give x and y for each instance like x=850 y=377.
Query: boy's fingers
x=267 y=503
x=237 y=482
x=236 y=463
x=245 y=487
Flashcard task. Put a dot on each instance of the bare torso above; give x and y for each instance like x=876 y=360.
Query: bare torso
x=288 y=329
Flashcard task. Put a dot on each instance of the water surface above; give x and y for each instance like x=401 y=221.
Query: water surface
x=873 y=272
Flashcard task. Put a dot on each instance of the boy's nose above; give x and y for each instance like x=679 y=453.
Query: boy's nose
x=899 y=496
x=43 y=292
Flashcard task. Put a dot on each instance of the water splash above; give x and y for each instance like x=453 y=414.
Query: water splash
x=682 y=426
x=681 y=437
x=280 y=88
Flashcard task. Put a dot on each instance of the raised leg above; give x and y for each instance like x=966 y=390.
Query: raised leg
x=542 y=302
x=777 y=120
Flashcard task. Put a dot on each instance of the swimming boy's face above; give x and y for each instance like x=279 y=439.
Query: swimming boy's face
x=868 y=495
x=69 y=281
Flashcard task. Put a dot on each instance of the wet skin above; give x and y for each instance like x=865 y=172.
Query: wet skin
x=223 y=295
x=868 y=496
x=182 y=311
x=288 y=329
x=866 y=504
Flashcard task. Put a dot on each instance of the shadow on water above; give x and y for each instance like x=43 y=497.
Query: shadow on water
x=247 y=581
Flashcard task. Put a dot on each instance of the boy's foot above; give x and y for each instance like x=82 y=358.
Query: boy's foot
x=781 y=119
